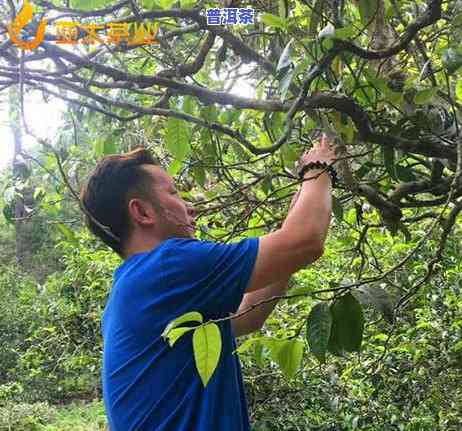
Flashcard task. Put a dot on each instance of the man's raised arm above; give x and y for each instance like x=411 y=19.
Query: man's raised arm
x=300 y=240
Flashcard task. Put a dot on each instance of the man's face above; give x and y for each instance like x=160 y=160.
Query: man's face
x=176 y=218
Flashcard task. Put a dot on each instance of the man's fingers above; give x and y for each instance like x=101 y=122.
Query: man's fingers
x=322 y=150
x=327 y=141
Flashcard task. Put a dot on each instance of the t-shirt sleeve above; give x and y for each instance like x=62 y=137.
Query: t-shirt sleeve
x=211 y=276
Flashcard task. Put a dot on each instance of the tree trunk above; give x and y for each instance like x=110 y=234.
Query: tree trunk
x=24 y=200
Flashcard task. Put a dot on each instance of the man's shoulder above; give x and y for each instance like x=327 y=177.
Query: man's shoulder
x=205 y=252
x=206 y=246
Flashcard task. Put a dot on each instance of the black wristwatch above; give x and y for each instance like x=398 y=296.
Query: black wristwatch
x=319 y=165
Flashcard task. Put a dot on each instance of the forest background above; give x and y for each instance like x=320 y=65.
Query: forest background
x=367 y=338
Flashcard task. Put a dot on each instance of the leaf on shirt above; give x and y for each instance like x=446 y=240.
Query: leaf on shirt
x=207 y=349
x=176 y=333
x=192 y=316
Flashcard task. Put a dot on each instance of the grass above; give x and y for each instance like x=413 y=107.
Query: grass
x=79 y=416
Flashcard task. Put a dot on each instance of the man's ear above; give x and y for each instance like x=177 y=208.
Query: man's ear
x=141 y=212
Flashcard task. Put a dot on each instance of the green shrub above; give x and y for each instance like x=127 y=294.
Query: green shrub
x=25 y=417
x=64 y=347
x=18 y=296
x=79 y=416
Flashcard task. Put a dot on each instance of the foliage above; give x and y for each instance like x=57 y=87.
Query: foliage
x=416 y=387
x=76 y=416
x=79 y=416
x=25 y=417
x=17 y=311
x=407 y=376
x=60 y=351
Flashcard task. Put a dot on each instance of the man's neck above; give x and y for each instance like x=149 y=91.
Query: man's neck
x=140 y=245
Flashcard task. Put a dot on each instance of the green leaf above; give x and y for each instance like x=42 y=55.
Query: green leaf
x=290 y=154
x=253 y=231
x=378 y=83
x=104 y=147
x=423 y=97
x=207 y=146
x=199 y=175
x=247 y=344
x=177 y=138
x=282 y=8
x=99 y=147
x=8 y=213
x=367 y=10
x=188 y=105
x=166 y=4
x=344 y=32
x=457 y=347
x=348 y=131
x=209 y=113
x=388 y=153
x=347 y=325
x=68 y=234
x=232 y=115
x=267 y=185
x=89 y=4
x=377 y=297
x=187 y=4
x=10 y=194
x=207 y=349
x=459 y=90
x=327 y=43
x=318 y=328
x=258 y=355
x=287 y=354
x=174 y=334
x=151 y=4
x=174 y=168
x=394 y=97
x=39 y=193
x=192 y=316
x=291 y=355
x=273 y=20
x=109 y=146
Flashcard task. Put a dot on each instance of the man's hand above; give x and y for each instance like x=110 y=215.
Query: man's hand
x=321 y=151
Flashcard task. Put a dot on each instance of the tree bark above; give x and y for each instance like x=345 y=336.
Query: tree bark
x=24 y=192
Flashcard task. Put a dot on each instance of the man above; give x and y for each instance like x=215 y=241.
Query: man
x=132 y=204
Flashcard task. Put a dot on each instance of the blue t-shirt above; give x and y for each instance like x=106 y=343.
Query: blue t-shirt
x=150 y=386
